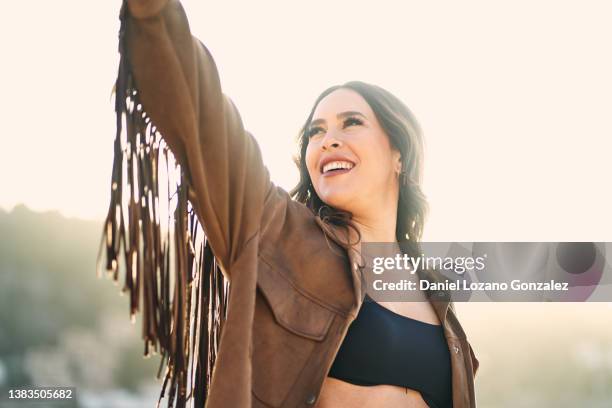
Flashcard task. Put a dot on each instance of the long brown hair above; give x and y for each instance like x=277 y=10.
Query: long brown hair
x=405 y=135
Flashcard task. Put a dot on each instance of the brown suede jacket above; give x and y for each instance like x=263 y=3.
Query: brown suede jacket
x=295 y=286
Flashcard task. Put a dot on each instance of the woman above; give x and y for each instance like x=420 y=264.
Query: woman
x=292 y=332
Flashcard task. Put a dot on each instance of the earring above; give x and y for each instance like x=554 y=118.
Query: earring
x=403 y=178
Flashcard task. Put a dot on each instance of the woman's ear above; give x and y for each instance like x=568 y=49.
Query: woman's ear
x=397 y=161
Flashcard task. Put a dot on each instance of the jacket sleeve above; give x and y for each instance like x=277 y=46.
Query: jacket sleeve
x=475 y=362
x=179 y=88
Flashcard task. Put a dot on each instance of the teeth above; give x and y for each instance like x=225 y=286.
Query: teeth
x=337 y=165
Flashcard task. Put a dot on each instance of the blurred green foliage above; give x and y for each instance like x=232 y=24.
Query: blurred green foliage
x=60 y=324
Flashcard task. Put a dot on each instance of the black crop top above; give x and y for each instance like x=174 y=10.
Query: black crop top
x=383 y=347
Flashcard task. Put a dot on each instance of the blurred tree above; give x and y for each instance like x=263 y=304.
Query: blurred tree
x=55 y=313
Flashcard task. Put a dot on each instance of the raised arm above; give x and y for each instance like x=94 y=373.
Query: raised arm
x=179 y=87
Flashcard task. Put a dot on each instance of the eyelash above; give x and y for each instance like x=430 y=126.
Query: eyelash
x=313 y=131
x=347 y=122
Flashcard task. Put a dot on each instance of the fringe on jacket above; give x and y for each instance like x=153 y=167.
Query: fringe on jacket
x=170 y=273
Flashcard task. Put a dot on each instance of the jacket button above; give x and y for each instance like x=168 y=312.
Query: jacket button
x=311 y=399
x=456 y=349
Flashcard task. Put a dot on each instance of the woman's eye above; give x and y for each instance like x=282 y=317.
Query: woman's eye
x=313 y=131
x=352 y=121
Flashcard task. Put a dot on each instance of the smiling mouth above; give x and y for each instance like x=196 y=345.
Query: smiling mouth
x=337 y=167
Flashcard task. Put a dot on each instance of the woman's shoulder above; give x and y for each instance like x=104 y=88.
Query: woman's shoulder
x=283 y=217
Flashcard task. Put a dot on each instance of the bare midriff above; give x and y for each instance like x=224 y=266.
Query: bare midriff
x=341 y=394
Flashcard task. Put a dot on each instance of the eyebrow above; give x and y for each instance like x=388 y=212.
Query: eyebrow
x=341 y=115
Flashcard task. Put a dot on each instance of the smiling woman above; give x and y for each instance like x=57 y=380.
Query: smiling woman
x=360 y=120
x=361 y=156
x=266 y=308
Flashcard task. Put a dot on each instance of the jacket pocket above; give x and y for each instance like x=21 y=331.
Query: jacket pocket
x=288 y=330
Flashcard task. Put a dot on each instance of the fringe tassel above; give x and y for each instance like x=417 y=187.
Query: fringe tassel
x=183 y=292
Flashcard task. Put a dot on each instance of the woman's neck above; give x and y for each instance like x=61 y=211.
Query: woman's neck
x=379 y=227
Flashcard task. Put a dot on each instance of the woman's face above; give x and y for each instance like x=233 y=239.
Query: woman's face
x=349 y=157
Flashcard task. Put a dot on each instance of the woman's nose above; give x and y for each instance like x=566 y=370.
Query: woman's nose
x=330 y=140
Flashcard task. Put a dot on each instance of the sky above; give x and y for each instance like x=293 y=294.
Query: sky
x=514 y=99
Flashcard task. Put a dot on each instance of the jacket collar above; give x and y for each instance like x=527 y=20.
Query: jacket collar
x=340 y=236
x=353 y=249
